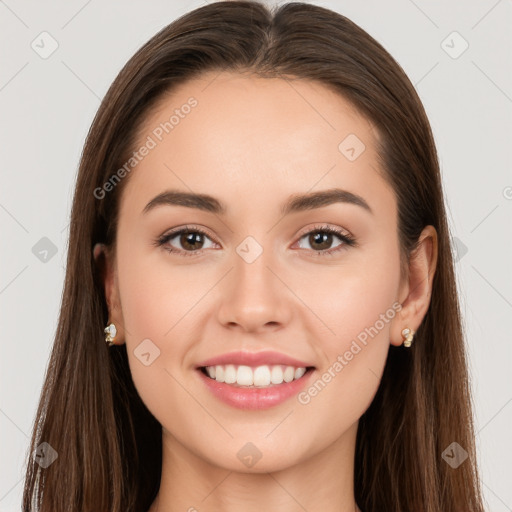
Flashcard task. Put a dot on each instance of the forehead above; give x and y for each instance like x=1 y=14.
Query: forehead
x=265 y=107
x=237 y=136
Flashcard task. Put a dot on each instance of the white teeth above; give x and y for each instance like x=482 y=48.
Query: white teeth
x=219 y=373
x=288 y=374
x=230 y=374
x=276 y=375
x=244 y=376
x=299 y=372
x=260 y=376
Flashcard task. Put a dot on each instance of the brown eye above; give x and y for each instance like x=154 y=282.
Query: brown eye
x=191 y=240
x=321 y=240
x=186 y=241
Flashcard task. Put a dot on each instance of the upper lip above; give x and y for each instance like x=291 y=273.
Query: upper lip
x=266 y=357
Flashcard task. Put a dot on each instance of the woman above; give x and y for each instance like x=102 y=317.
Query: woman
x=259 y=236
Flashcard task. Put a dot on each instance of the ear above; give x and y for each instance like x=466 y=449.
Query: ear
x=416 y=291
x=105 y=262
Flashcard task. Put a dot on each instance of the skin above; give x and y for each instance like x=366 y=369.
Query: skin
x=252 y=143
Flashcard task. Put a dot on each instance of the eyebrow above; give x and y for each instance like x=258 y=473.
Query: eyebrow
x=295 y=203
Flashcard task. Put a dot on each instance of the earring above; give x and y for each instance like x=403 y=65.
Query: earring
x=110 y=332
x=408 y=335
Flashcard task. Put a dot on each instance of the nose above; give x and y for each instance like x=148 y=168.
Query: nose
x=254 y=297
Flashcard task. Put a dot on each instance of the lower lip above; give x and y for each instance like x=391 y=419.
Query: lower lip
x=255 y=398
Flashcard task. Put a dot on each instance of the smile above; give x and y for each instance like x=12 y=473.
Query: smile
x=254 y=377
x=271 y=384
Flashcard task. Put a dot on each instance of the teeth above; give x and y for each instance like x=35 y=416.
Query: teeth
x=244 y=376
x=289 y=374
x=299 y=372
x=276 y=375
x=260 y=376
x=230 y=374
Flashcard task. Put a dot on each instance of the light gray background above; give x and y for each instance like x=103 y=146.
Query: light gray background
x=47 y=106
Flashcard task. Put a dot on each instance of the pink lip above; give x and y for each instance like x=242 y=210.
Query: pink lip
x=255 y=398
x=241 y=357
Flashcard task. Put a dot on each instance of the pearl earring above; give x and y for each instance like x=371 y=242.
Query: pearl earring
x=110 y=332
x=408 y=335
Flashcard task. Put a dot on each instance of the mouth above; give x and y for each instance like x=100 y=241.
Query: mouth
x=254 y=387
x=255 y=377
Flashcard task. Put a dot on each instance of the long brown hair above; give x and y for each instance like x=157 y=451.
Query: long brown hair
x=108 y=444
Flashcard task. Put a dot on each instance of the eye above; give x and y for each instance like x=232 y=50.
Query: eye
x=189 y=240
x=321 y=238
x=192 y=241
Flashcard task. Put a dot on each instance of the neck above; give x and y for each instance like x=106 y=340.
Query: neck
x=323 y=482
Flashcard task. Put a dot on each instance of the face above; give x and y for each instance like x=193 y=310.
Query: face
x=257 y=283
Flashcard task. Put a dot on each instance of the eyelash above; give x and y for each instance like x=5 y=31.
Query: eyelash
x=345 y=238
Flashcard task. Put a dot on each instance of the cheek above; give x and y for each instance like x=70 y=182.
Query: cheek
x=357 y=310
x=156 y=297
x=158 y=306
x=356 y=300
x=354 y=360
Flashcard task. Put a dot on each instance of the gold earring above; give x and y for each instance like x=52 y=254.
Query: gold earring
x=110 y=332
x=408 y=335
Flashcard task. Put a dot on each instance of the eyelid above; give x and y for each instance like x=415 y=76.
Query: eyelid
x=325 y=227
x=175 y=231
x=346 y=237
